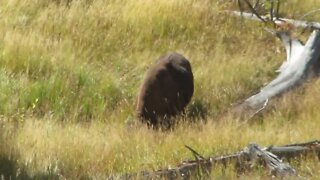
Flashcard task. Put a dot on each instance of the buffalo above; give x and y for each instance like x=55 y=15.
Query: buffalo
x=166 y=91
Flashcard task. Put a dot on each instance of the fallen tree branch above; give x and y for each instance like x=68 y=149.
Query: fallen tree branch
x=302 y=60
x=278 y=21
x=277 y=167
x=293 y=71
x=271 y=156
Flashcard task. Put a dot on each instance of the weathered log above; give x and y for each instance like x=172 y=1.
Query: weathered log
x=300 y=58
x=270 y=156
x=277 y=167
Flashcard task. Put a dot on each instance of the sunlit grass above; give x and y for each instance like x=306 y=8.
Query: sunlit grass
x=95 y=148
x=70 y=73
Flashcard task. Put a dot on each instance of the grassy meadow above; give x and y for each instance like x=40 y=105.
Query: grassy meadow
x=70 y=72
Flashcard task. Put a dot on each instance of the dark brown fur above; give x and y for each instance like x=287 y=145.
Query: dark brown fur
x=166 y=90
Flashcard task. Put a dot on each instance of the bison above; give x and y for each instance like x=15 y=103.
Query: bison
x=166 y=90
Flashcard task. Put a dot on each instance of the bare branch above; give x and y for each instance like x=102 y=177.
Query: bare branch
x=295 y=23
x=256 y=4
x=277 y=10
x=195 y=153
x=254 y=11
x=271 y=10
x=309 y=13
x=240 y=6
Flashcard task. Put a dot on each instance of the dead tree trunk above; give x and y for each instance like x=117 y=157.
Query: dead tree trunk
x=301 y=61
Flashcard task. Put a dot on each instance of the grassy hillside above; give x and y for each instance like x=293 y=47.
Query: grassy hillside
x=70 y=73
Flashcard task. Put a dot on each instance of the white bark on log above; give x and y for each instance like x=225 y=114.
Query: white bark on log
x=275 y=164
x=293 y=71
x=302 y=60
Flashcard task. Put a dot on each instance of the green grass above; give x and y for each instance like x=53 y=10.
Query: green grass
x=70 y=73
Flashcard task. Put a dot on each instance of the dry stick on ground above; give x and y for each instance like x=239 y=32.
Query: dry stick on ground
x=302 y=60
x=252 y=154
